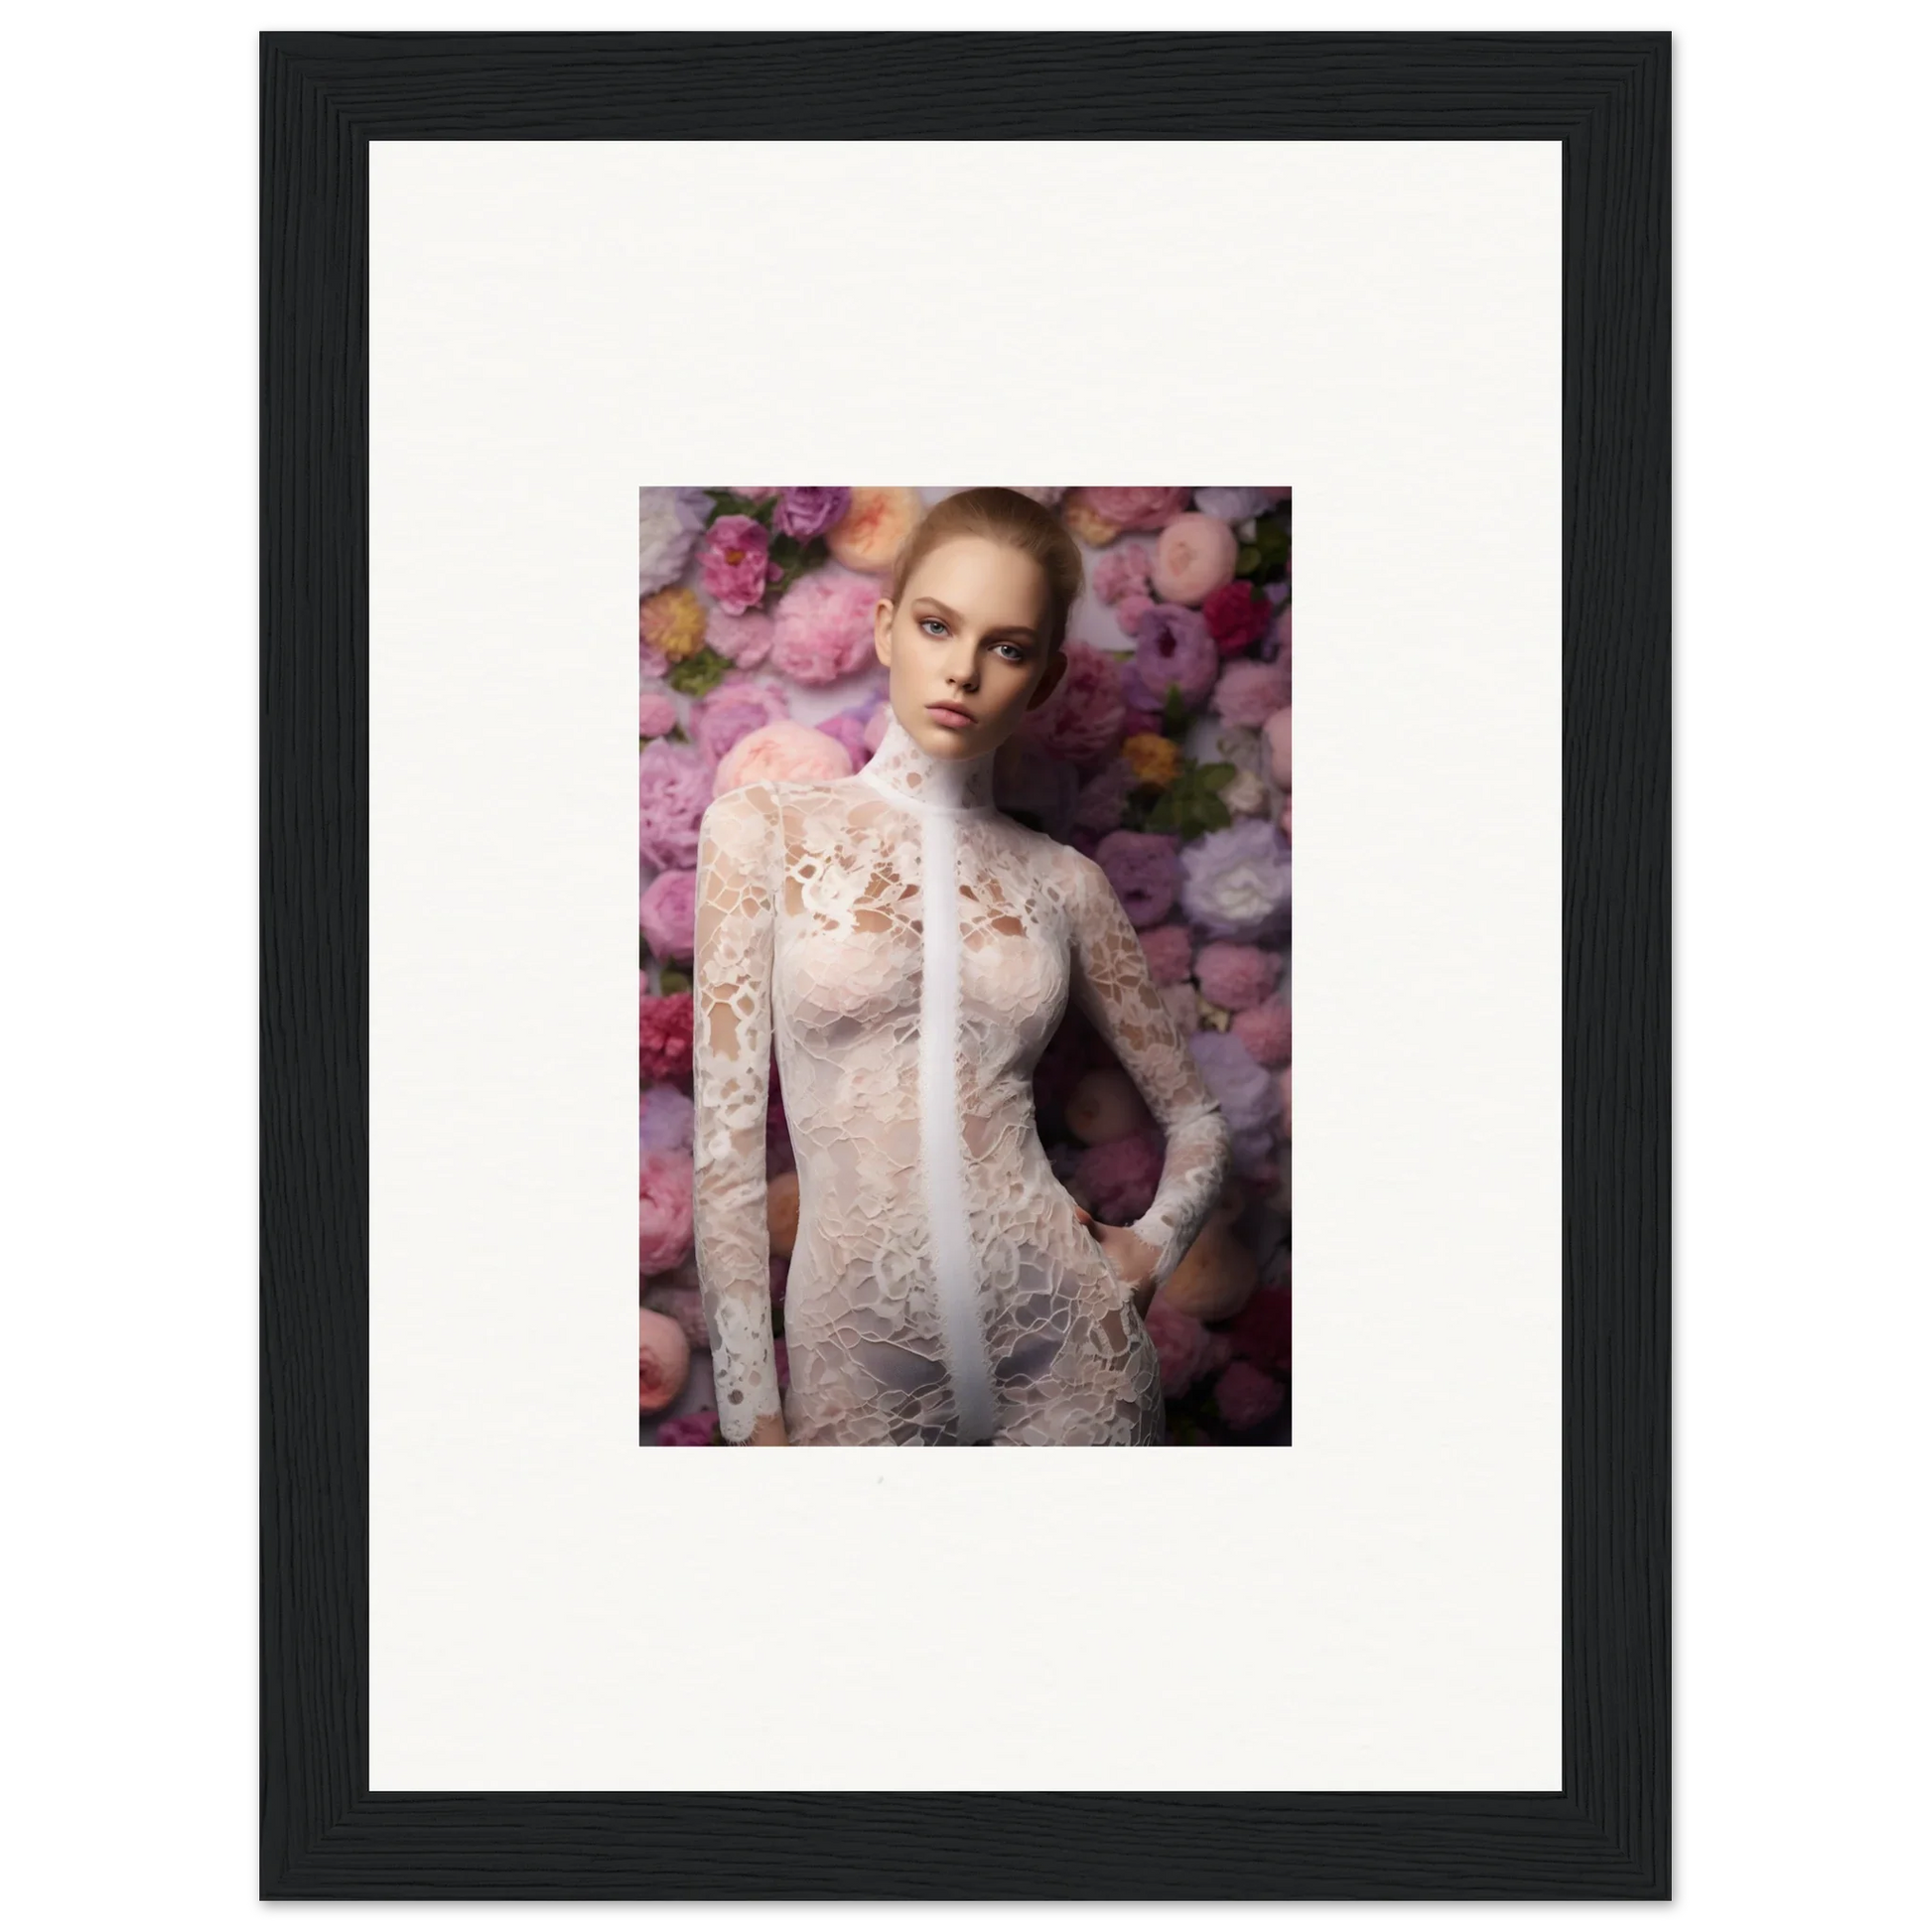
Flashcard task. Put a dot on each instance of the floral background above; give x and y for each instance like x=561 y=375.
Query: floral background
x=1164 y=755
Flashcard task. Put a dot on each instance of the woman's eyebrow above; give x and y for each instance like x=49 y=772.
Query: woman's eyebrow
x=1016 y=629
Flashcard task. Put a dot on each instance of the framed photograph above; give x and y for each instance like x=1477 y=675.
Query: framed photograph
x=972 y=913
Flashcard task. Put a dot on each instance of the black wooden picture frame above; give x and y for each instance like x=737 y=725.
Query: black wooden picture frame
x=323 y=1832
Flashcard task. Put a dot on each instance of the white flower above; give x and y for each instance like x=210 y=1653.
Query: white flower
x=668 y=524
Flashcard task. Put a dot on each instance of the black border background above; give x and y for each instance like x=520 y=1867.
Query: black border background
x=324 y=97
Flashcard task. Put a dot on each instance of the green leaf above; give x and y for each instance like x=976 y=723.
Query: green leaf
x=698 y=673
x=728 y=503
x=673 y=979
x=1174 y=711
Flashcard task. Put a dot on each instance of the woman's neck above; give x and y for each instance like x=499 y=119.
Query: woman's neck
x=906 y=768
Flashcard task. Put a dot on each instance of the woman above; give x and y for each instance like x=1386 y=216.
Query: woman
x=911 y=950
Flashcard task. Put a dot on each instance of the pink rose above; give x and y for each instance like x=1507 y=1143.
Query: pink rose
x=1080 y=722
x=657 y=714
x=734 y=562
x=664 y=1361
x=1245 y=1397
x=1135 y=510
x=743 y=637
x=667 y=913
x=1249 y=691
x=1193 y=556
x=663 y=1212
x=1180 y=1342
x=822 y=630
x=1265 y=1032
x=1170 y=953
x=1235 y=976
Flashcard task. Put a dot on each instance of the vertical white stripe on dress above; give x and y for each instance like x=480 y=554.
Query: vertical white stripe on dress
x=939 y=1129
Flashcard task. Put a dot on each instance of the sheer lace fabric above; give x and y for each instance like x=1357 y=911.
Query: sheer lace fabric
x=907 y=952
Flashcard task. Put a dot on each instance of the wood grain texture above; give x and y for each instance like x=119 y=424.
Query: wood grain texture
x=324 y=1833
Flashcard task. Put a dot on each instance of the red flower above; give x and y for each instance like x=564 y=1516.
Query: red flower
x=1261 y=1332
x=664 y=1038
x=1237 y=615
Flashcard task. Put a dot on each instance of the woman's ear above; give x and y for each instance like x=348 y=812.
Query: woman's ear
x=1048 y=679
x=882 y=632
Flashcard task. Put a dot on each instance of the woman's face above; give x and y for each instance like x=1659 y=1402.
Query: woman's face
x=967 y=647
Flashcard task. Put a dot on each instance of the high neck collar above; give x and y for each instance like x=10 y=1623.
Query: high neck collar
x=906 y=768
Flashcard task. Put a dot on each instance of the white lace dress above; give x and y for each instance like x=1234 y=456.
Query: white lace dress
x=942 y=1289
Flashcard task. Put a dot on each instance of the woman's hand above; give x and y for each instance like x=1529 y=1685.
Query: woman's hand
x=769 y=1432
x=1131 y=1258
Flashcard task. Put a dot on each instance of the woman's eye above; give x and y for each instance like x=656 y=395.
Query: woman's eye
x=1019 y=657
x=923 y=622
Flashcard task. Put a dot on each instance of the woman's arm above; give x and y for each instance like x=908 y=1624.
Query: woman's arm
x=731 y=1048
x=1115 y=990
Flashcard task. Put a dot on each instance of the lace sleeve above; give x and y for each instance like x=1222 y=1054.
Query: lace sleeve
x=1115 y=990
x=731 y=1048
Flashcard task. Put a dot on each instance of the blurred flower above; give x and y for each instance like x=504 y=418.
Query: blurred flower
x=1181 y=1343
x=822 y=630
x=1235 y=976
x=745 y=638
x=664 y=1361
x=1080 y=722
x=663 y=1210
x=734 y=562
x=1141 y=867
x=738 y=705
x=664 y=1036
x=692 y=1431
x=1265 y=1031
x=1245 y=1397
x=1135 y=510
x=657 y=714
x=1172 y=645
x=1233 y=505
x=876 y=523
x=667 y=913
x=1170 y=953
x=1236 y=616
x=668 y=524
x=1249 y=691
x=1193 y=557
x=806 y=513
x=671 y=623
x=664 y=1117
x=785 y=750
x=1153 y=758
x=1235 y=882
x=674 y=785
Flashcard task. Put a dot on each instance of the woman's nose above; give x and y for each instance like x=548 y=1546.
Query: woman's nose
x=962 y=661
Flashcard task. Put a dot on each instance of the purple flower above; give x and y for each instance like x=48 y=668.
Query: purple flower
x=1235 y=882
x=1247 y=1097
x=736 y=562
x=664 y=1117
x=1174 y=646
x=1141 y=869
x=804 y=513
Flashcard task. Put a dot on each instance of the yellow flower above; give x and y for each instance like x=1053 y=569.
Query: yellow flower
x=1152 y=759
x=1086 y=522
x=672 y=620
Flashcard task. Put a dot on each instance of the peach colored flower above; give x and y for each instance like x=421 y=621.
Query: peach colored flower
x=671 y=623
x=1193 y=557
x=868 y=537
x=1153 y=758
x=787 y=750
x=664 y=1361
x=1275 y=730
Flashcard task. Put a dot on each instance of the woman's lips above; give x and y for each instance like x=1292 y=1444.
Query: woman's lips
x=949 y=713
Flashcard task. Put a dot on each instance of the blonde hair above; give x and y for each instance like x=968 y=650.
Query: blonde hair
x=1003 y=516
